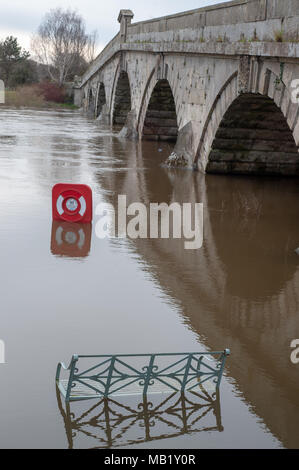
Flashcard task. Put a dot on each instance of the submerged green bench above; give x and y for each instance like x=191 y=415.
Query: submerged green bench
x=104 y=376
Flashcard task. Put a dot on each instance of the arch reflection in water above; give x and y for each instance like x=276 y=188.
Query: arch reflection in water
x=112 y=423
x=241 y=290
x=71 y=240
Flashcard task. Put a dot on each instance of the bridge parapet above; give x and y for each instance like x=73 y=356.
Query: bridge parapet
x=251 y=20
x=112 y=48
x=240 y=26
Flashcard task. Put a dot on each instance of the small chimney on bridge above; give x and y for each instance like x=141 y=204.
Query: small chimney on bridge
x=124 y=18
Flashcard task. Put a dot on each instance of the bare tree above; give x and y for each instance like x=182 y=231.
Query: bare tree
x=90 y=53
x=62 y=44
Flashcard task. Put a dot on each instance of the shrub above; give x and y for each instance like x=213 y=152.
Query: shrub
x=52 y=92
x=278 y=35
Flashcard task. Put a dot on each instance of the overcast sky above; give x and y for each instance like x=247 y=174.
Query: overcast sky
x=21 y=18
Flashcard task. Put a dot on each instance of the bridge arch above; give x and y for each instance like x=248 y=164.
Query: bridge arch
x=100 y=99
x=251 y=132
x=158 y=115
x=121 y=101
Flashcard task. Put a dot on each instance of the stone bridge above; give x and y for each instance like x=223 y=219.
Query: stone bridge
x=221 y=83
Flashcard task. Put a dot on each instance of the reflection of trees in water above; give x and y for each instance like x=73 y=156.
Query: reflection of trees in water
x=241 y=289
x=248 y=210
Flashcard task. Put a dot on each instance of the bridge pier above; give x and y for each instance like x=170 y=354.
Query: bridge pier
x=185 y=148
x=129 y=130
x=104 y=116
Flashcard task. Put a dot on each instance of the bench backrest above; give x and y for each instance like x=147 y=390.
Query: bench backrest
x=113 y=374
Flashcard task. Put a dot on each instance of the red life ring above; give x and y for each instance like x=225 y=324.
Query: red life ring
x=72 y=203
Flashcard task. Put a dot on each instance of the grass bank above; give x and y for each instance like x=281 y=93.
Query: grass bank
x=32 y=96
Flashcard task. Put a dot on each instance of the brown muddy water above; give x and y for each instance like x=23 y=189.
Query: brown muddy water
x=239 y=291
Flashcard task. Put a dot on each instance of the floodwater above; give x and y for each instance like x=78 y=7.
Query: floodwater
x=239 y=291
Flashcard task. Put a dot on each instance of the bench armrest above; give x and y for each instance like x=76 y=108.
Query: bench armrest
x=61 y=365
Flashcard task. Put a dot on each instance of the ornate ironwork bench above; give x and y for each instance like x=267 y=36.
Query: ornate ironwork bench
x=116 y=375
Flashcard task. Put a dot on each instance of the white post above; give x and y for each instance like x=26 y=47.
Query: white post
x=2 y=92
x=2 y=352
